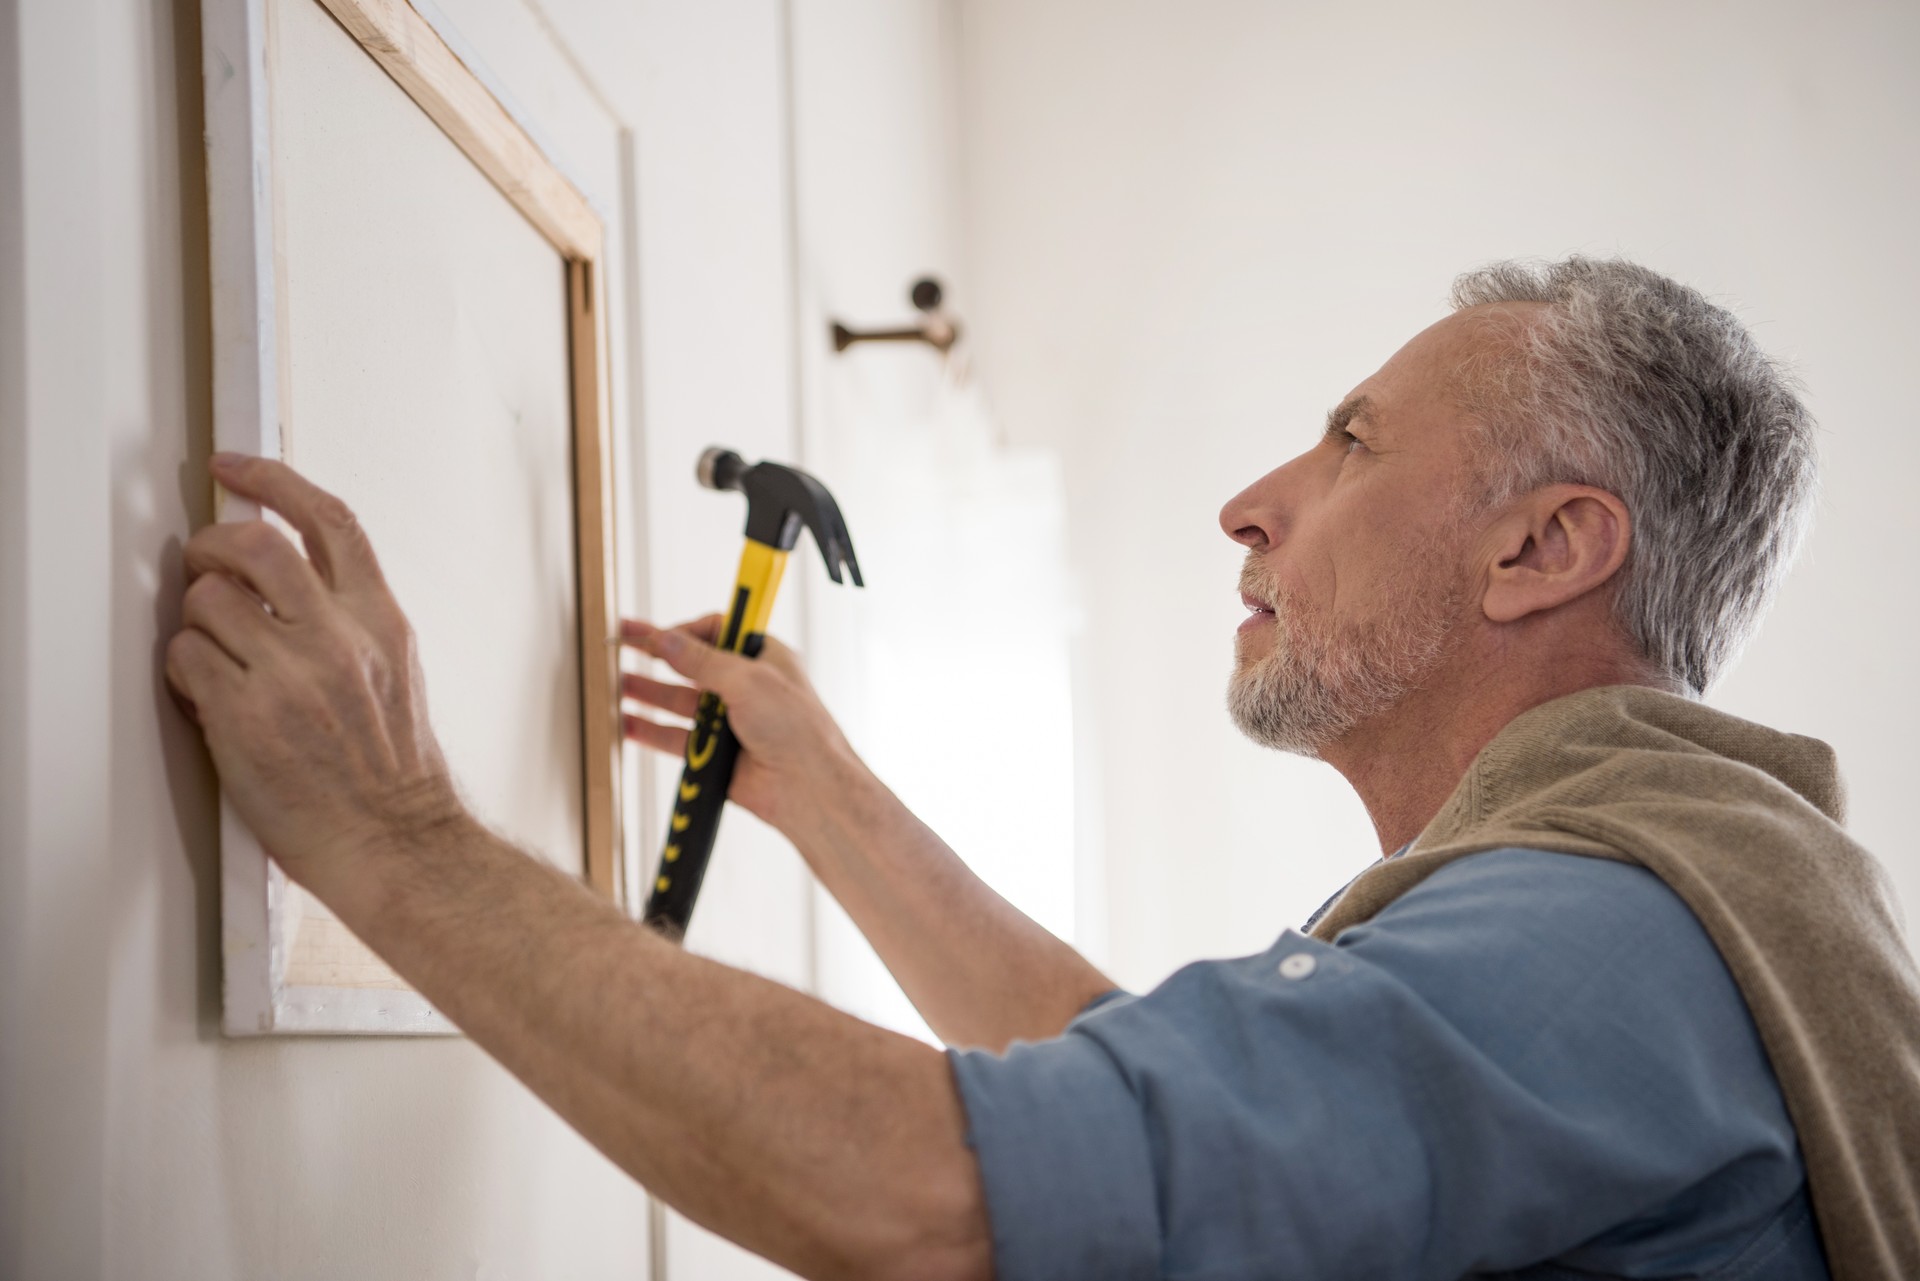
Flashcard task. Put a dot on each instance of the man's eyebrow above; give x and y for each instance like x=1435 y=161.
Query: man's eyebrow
x=1349 y=409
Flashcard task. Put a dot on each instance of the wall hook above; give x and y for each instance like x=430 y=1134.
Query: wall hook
x=938 y=330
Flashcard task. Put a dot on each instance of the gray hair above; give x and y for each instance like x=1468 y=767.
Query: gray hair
x=1636 y=384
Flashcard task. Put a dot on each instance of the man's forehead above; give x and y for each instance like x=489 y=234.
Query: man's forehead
x=1421 y=383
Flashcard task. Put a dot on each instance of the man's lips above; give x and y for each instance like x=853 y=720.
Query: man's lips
x=1261 y=612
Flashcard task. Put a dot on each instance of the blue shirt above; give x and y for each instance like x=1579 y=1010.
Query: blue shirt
x=1531 y=1065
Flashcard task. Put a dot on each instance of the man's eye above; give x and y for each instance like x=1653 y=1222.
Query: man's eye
x=1348 y=441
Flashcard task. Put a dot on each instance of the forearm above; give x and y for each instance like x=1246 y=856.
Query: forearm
x=822 y=1142
x=979 y=970
x=834 y=1147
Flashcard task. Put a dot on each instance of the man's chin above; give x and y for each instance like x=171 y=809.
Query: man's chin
x=1285 y=721
x=1251 y=647
x=1279 y=736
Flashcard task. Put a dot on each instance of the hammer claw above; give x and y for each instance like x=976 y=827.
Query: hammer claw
x=843 y=554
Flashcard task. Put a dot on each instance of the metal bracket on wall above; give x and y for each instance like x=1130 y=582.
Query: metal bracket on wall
x=938 y=331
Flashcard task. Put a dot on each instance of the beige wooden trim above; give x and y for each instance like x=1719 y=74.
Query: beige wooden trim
x=413 y=53
x=598 y=590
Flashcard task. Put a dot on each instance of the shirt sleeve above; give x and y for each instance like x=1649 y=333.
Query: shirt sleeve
x=1524 y=1052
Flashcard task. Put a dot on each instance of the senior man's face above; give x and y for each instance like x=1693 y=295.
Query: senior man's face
x=1356 y=572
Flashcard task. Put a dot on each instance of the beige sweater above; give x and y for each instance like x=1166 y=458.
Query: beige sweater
x=1743 y=823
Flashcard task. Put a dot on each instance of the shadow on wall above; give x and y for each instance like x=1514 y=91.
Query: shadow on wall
x=180 y=370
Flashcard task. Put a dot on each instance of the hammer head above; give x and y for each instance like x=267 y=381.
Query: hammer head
x=780 y=500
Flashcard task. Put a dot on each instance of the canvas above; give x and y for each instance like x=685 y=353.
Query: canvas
x=405 y=309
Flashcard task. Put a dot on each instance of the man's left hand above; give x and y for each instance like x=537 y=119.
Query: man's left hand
x=304 y=676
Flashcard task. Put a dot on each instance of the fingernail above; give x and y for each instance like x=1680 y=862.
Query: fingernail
x=226 y=458
x=634 y=629
x=667 y=642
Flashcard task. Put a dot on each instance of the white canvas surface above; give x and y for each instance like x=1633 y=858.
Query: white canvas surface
x=426 y=380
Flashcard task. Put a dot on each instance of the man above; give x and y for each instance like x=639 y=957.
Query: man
x=1573 y=1022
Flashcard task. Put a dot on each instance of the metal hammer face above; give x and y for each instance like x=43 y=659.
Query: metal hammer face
x=780 y=500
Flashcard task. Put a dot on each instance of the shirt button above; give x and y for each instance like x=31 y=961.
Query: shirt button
x=1298 y=966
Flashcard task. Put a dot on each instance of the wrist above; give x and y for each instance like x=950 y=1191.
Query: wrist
x=842 y=793
x=861 y=831
x=369 y=867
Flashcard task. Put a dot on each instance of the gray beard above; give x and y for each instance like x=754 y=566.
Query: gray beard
x=1318 y=682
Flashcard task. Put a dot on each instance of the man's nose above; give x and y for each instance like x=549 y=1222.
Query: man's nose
x=1252 y=517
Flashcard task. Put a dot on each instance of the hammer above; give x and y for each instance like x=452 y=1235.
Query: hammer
x=780 y=501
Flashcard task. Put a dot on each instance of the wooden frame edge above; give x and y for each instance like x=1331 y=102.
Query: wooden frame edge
x=594 y=562
x=430 y=73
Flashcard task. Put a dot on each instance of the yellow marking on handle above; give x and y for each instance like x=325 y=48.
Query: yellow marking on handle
x=682 y=821
x=689 y=790
x=698 y=756
x=661 y=884
x=672 y=853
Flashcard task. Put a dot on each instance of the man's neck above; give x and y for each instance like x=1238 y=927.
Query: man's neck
x=1406 y=762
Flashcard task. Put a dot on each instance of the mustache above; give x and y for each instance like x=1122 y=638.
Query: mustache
x=1256 y=582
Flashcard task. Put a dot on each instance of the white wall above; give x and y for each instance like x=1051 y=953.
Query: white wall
x=1194 y=226
x=954 y=661
x=876 y=164
x=14 y=880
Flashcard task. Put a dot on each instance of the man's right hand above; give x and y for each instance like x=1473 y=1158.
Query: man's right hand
x=977 y=969
x=793 y=758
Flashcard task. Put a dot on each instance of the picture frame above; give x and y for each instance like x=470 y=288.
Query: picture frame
x=250 y=398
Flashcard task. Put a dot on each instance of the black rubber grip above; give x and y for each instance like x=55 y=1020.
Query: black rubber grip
x=712 y=752
x=701 y=797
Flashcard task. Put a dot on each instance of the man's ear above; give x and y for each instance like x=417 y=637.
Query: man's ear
x=1553 y=546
